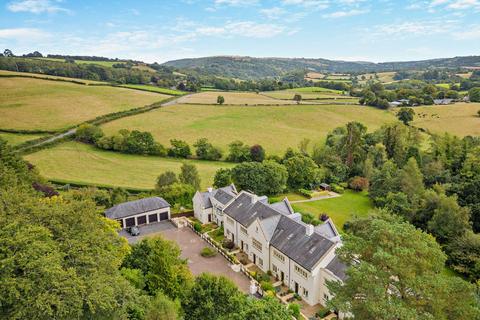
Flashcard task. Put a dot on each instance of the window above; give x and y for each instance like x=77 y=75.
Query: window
x=274 y=268
x=243 y=230
x=257 y=245
x=300 y=271
x=230 y=221
x=260 y=261
x=279 y=256
x=305 y=292
x=326 y=297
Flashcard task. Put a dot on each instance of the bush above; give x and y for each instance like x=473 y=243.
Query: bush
x=359 y=183
x=179 y=149
x=88 y=133
x=322 y=313
x=324 y=217
x=228 y=244
x=337 y=188
x=197 y=227
x=306 y=193
x=267 y=286
x=295 y=309
x=208 y=252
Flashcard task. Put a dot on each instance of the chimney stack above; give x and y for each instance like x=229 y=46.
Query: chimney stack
x=210 y=190
x=309 y=228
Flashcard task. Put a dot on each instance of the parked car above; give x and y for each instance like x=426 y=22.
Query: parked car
x=134 y=231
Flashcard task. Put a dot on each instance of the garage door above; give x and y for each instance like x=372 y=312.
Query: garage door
x=152 y=218
x=163 y=216
x=141 y=220
x=130 y=222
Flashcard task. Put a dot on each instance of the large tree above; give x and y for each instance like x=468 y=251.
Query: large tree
x=301 y=171
x=189 y=175
x=395 y=272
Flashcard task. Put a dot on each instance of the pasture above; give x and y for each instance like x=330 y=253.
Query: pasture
x=80 y=163
x=232 y=98
x=34 y=104
x=340 y=209
x=459 y=119
x=16 y=138
x=274 y=127
x=153 y=89
x=97 y=62
x=46 y=76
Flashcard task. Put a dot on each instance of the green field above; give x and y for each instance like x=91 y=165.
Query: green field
x=100 y=63
x=232 y=98
x=340 y=209
x=154 y=89
x=80 y=163
x=306 y=93
x=17 y=138
x=34 y=104
x=274 y=127
x=46 y=76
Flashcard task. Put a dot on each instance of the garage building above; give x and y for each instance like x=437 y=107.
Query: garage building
x=140 y=212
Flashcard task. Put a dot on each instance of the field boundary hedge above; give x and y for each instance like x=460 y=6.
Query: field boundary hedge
x=78 y=184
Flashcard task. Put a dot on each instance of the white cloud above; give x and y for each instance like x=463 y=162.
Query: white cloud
x=235 y=3
x=23 y=34
x=413 y=28
x=247 y=29
x=36 y=6
x=273 y=13
x=472 y=33
x=342 y=14
x=464 y=4
x=318 y=4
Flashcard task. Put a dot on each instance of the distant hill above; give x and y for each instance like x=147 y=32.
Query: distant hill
x=254 y=68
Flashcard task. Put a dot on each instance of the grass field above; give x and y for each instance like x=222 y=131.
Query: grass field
x=80 y=163
x=16 y=138
x=460 y=119
x=100 y=63
x=45 y=76
x=50 y=105
x=235 y=98
x=340 y=209
x=274 y=127
x=154 y=89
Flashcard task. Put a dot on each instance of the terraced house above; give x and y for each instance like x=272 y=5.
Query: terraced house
x=275 y=239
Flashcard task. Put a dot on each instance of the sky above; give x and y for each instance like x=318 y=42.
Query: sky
x=159 y=31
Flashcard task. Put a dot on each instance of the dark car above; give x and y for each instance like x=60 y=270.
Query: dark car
x=134 y=231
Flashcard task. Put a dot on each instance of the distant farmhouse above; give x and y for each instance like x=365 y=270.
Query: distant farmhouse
x=443 y=101
x=140 y=212
x=275 y=239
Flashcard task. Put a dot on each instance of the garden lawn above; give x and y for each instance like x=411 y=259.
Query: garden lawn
x=35 y=104
x=80 y=163
x=274 y=127
x=17 y=138
x=459 y=119
x=340 y=209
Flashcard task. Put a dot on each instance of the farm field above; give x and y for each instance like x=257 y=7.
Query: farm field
x=80 y=163
x=232 y=98
x=274 y=127
x=340 y=209
x=34 y=104
x=98 y=62
x=384 y=77
x=17 y=138
x=46 y=76
x=459 y=119
x=153 y=89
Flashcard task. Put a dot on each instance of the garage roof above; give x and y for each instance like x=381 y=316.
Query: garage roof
x=135 y=207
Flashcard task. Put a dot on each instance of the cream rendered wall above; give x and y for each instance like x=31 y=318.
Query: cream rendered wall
x=256 y=232
x=198 y=210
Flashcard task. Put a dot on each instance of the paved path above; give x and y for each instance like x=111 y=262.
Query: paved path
x=329 y=196
x=191 y=246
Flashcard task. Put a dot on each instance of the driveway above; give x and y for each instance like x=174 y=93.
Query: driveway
x=191 y=246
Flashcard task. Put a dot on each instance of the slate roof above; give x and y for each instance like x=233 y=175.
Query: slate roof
x=283 y=206
x=326 y=229
x=291 y=239
x=284 y=233
x=131 y=208
x=338 y=268
x=225 y=194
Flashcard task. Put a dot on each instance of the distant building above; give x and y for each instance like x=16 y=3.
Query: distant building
x=443 y=101
x=140 y=212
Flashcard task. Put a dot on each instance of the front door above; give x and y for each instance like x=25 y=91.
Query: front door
x=282 y=276
x=209 y=218
x=241 y=244
x=254 y=259
x=296 y=288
